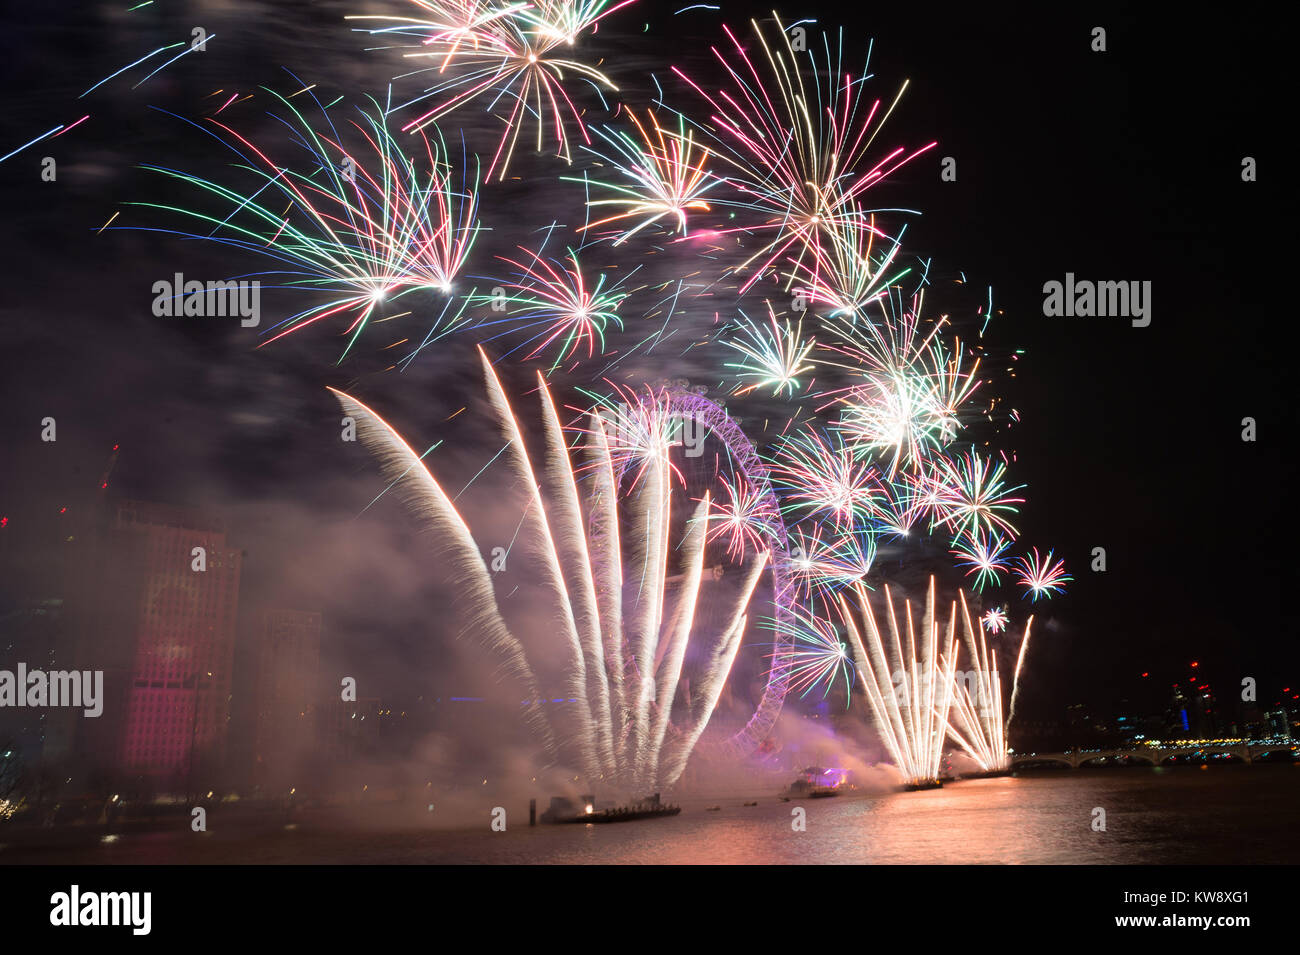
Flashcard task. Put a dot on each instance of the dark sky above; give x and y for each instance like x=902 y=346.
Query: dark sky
x=1121 y=165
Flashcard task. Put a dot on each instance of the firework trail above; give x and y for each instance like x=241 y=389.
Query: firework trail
x=976 y=719
x=474 y=598
x=636 y=722
x=192 y=45
x=907 y=685
x=1020 y=662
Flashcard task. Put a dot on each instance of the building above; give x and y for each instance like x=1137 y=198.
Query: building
x=178 y=608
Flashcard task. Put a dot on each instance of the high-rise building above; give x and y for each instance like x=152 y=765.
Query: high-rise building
x=180 y=612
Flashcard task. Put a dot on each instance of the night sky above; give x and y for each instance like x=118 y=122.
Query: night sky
x=1122 y=165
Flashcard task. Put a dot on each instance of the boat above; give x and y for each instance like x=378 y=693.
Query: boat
x=816 y=782
x=986 y=774
x=922 y=784
x=563 y=810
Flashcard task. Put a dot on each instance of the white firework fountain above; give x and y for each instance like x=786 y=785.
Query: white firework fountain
x=636 y=719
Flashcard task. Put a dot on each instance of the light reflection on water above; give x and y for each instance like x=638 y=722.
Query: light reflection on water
x=1247 y=814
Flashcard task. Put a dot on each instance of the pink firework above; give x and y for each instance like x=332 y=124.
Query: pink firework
x=740 y=516
x=1040 y=576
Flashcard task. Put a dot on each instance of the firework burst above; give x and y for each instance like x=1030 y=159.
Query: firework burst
x=355 y=228
x=558 y=305
x=995 y=620
x=1039 y=576
x=774 y=355
x=818 y=657
x=740 y=516
x=820 y=475
x=985 y=556
x=972 y=495
x=795 y=133
x=662 y=174
x=515 y=58
x=818 y=566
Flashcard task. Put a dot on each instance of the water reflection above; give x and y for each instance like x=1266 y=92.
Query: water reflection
x=1247 y=814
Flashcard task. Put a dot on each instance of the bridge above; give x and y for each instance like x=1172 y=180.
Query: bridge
x=1156 y=753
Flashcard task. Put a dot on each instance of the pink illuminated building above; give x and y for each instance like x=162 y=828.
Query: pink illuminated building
x=177 y=693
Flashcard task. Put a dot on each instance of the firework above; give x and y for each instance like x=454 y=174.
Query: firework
x=973 y=496
x=774 y=355
x=624 y=656
x=355 y=229
x=513 y=58
x=1039 y=576
x=818 y=657
x=1020 y=663
x=975 y=722
x=555 y=302
x=905 y=679
x=818 y=566
x=846 y=273
x=639 y=431
x=995 y=620
x=566 y=20
x=662 y=176
x=892 y=416
x=898 y=509
x=447 y=24
x=740 y=517
x=794 y=135
x=820 y=475
x=984 y=556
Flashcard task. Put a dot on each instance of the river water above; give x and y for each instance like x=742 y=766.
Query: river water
x=1224 y=814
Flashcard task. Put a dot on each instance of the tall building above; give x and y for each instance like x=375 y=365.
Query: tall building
x=286 y=686
x=180 y=616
